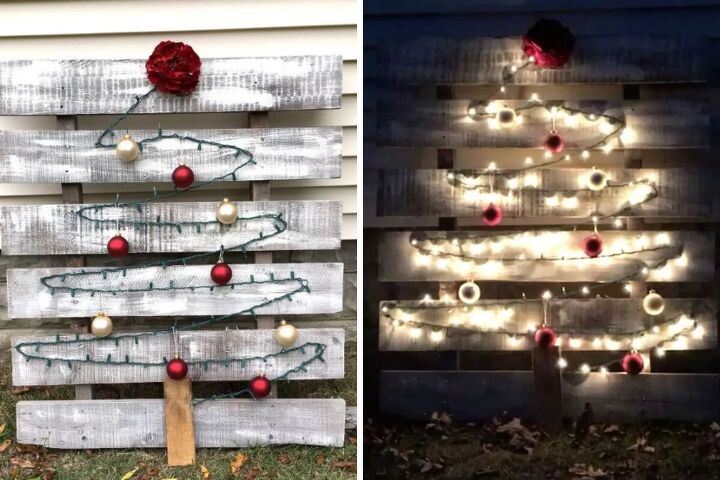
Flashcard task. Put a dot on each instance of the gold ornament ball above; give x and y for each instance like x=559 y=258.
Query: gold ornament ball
x=227 y=212
x=469 y=292
x=597 y=180
x=507 y=117
x=127 y=149
x=653 y=303
x=286 y=335
x=101 y=325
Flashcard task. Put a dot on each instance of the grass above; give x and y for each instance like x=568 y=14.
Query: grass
x=281 y=462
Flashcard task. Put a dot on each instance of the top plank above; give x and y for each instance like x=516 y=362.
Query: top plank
x=76 y=87
x=595 y=59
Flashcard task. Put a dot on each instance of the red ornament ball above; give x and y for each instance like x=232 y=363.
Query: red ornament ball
x=492 y=215
x=260 y=386
x=554 y=143
x=633 y=363
x=221 y=273
x=177 y=369
x=118 y=246
x=174 y=67
x=592 y=245
x=183 y=177
x=549 y=42
x=545 y=337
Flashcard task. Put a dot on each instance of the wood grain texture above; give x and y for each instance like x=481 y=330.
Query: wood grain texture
x=57 y=229
x=445 y=123
x=193 y=346
x=79 y=87
x=218 y=423
x=548 y=389
x=595 y=59
x=682 y=192
x=581 y=319
x=614 y=397
x=28 y=298
x=71 y=156
x=179 y=426
x=398 y=258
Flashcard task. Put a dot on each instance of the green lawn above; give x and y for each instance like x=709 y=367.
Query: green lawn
x=285 y=462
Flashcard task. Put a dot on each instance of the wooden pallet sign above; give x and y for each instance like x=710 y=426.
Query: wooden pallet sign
x=81 y=87
x=673 y=192
x=29 y=298
x=447 y=123
x=614 y=396
x=598 y=324
x=545 y=256
x=595 y=59
x=71 y=156
x=58 y=230
x=218 y=423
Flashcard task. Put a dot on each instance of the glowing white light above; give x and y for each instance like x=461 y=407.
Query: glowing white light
x=570 y=202
x=571 y=121
x=559 y=341
x=585 y=154
x=585 y=368
x=659 y=351
x=575 y=342
x=415 y=332
x=512 y=183
x=472 y=111
x=534 y=97
x=585 y=290
x=385 y=308
x=492 y=166
x=698 y=333
x=530 y=180
x=528 y=161
x=456 y=321
x=605 y=127
x=562 y=363
x=519 y=119
x=422 y=260
x=547 y=155
x=427 y=298
x=547 y=295
x=618 y=223
x=628 y=288
x=612 y=344
x=681 y=343
x=603 y=370
x=628 y=135
x=446 y=298
x=513 y=68
x=596 y=343
x=515 y=341
x=436 y=336
x=662 y=239
x=636 y=343
x=502 y=89
x=682 y=261
x=552 y=201
x=442 y=263
x=450 y=175
x=606 y=148
x=493 y=124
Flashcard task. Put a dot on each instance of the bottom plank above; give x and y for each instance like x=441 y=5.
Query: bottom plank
x=219 y=423
x=618 y=397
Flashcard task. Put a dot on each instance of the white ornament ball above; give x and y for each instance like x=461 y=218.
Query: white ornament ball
x=286 y=335
x=506 y=117
x=597 y=180
x=127 y=149
x=469 y=292
x=101 y=325
x=226 y=212
x=653 y=303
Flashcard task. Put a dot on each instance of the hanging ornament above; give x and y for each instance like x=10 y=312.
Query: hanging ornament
x=260 y=386
x=492 y=215
x=177 y=369
x=101 y=325
x=286 y=335
x=633 y=363
x=549 y=43
x=469 y=292
x=592 y=245
x=545 y=337
x=653 y=303
x=597 y=180
x=506 y=117
x=183 y=177
x=118 y=246
x=554 y=143
x=221 y=273
x=226 y=212
x=127 y=149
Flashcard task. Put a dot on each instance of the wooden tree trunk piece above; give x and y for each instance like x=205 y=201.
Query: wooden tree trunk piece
x=179 y=424
x=548 y=389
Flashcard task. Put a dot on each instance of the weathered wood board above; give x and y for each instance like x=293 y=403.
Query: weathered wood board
x=28 y=298
x=80 y=87
x=682 y=192
x=218 y=423
x=400 y=261
x=179 y=422
x=595 y=59
x=193 y=346
x=71 y=156
x=580 y=319
x=58 y=230
x=445 y=123
x=614 y=396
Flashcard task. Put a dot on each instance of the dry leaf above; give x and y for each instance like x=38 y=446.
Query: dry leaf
x=205 y=472
x=22 y=463
x=4 y=445
x=253 y=473
x=344 y=464
x=129 y=474
x=320 y=459
x=612 y=429
x=587 y=471
x=2 y=428
x=238 y=462
x=18 y=390
x=284 y=458
x=715 y=426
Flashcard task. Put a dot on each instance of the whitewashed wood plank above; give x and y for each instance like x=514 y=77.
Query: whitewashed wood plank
x=28 y=298
x=682 y=192
x=194 y=346
x=218 y=423
x=71 y=156
x=445 y=123
x=77 y=87
x=57 y=229
x=595 y=59
x=581 y=319
x=399 y=259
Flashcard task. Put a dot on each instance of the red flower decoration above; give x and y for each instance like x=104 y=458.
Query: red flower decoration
x=550 y=42
x=174 y=67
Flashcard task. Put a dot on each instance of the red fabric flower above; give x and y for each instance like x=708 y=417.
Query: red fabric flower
x=174 y=67
x=550 y=42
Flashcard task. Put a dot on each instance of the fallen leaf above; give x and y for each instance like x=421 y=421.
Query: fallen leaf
x=4 y=445
x=343 y=464
x=715 y=426
x=587 y=471
x=649 y=449
x=253 y=473
x=320 y=459
x=204 y=472
x=129 y=474
x=2 y=428
x=284 y=458
x=612 y=429
x=22 y=463
x=238 y=462
x=18 y=390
